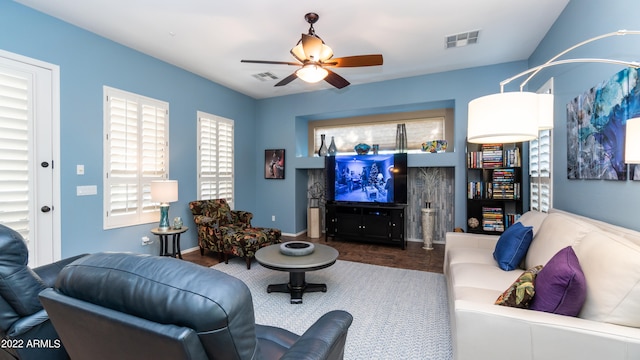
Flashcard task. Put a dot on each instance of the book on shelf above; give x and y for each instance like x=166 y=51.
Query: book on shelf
x=506 y=191
x=474 y=160
x=492 y=219
x=474 y=190
x=492 y=156
x=512 y=158
x=510 y=219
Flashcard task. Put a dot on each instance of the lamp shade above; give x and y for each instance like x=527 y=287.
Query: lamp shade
x=545 y=111
x=632 y=142
x=164 y=191
x=503 y=118
x=312 y=73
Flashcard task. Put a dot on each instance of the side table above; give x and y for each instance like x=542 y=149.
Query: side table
x=164 y=241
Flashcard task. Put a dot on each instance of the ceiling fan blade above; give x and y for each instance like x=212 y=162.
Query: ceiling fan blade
x=336 y=80
x=270 y=62
x=312 y=47
x=355 y=61
x=287 y=80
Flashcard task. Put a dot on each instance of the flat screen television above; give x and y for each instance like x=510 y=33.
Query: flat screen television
x=378 y=178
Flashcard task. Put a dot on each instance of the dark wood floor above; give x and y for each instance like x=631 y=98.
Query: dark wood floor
x=414 y=257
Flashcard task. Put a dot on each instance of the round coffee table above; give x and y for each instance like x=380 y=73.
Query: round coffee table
x=322 y=257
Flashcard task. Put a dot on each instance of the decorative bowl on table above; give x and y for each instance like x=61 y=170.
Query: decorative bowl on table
x=434 y=146
x=362 y=149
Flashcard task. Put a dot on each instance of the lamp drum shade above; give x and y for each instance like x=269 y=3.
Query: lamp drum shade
x=545 y=111
x=503 y=118
x=164 y=191
x=632 y=142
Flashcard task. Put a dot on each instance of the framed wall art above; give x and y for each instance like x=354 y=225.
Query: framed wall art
x=274 y=164
x=596 y=124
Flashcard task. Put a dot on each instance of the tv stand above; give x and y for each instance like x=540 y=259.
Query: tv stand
x=366 y=222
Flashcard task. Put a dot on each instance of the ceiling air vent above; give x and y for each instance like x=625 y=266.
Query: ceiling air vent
x=265 y=76
x=462 y=39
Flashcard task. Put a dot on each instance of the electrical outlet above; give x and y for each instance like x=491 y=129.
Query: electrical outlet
x=146 y=241
x=273 y=218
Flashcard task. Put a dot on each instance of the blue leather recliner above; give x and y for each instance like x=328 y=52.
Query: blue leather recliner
x=127 y=306
x=25 y=329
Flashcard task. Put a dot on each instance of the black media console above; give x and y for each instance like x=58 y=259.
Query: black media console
x=366 y=222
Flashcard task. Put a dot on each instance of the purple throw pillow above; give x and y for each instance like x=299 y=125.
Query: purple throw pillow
x=560 y=286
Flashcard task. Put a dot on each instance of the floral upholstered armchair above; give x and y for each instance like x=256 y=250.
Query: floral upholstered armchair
x=209 y=215
x=229 y=232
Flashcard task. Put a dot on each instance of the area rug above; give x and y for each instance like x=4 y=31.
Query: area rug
x=397 y=313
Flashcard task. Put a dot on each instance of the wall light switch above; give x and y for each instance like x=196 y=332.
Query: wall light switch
x=86 y=190
x=79 y=169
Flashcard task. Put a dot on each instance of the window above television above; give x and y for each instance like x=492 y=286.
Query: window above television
x=421 y=126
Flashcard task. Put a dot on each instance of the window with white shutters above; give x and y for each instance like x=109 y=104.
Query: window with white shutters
x=540 y=171
x=136 y=152
x=540 y=156
x=14 y=152
x=215 y=158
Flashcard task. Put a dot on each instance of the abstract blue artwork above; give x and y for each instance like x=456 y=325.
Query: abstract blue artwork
x=596 y=123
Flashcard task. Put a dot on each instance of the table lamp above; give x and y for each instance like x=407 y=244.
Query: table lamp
x=164 y=192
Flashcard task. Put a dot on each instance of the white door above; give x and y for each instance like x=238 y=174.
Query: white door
x=29 y=154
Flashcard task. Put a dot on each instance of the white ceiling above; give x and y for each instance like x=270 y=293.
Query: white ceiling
x=210 y=37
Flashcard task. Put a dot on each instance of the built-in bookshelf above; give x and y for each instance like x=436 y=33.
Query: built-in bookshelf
x=494 y=186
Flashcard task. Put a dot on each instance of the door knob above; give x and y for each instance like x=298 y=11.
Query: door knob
x=45 y=209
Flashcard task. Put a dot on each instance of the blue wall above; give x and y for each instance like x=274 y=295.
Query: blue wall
x=88 y=62
x=613 y=201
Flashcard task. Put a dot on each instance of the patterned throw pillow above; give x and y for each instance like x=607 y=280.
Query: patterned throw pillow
x=520 y=293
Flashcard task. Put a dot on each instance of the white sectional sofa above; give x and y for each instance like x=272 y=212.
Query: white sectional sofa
x=608 y=325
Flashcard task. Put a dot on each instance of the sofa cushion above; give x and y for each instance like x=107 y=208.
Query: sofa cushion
x=611 y=265
x=512 y=246
x=520 y=293
x=533 y=219
x=561 y=287
x=557 y=232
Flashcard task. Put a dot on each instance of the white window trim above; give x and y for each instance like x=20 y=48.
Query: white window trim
x=145 y=211
x=546 y=88
x=217 y=178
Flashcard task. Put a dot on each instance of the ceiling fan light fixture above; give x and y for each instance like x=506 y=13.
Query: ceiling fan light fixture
x=325 y=53
x=321 y=53
x=312 y=73
x=298 y=52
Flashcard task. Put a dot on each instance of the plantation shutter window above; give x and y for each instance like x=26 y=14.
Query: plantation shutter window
x=14 y=152
x=215 y=158
x=136 y=153
x=540 y=171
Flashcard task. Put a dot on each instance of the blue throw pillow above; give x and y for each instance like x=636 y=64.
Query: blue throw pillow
x=512 y=246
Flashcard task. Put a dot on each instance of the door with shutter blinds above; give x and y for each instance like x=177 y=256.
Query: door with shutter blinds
x=29 y=176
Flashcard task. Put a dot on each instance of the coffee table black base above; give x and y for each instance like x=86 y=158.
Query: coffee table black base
x=296 y=287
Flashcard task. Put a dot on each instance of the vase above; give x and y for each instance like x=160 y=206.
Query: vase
x=323 y=148
x=401 y=138
x=362 y=149
x=428 y=226
x=332 y=148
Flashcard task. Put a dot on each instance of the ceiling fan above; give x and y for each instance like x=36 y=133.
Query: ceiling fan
x=314 y=59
